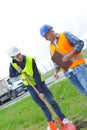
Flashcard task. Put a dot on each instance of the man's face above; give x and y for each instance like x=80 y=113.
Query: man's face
x=50 y=35
x=18 y=57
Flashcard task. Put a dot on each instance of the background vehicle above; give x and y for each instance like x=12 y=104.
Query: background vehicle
x=4 y=92
x=11 y=88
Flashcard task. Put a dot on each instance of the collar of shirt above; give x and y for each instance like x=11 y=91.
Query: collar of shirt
x=55 y=41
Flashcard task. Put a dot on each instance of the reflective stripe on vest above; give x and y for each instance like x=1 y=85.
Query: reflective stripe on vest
x=29 y=70
x=64 y=47
x=76 y=58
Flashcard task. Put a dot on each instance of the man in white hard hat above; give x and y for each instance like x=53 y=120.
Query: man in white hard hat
x=21 y=63
x=13 y=51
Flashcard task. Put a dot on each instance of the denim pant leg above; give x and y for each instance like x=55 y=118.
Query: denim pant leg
x=76 y=80
x=73 y=79
x=82 y=78
x=52 y=102
x=40 y=103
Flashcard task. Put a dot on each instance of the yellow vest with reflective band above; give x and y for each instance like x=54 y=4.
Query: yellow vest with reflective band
x=29 y=71
x=64 y=47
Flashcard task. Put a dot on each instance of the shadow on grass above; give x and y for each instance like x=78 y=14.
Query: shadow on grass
x=80 y=124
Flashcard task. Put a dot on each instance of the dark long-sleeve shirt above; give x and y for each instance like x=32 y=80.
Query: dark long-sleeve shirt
x=13 y=72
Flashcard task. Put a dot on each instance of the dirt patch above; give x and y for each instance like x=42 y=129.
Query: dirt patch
x=80 y=124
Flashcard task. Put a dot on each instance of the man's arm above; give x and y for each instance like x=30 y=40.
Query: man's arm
x=38 y=80
x=56 y=69
x=37 y=76
x=76 y=43
x=13 y=72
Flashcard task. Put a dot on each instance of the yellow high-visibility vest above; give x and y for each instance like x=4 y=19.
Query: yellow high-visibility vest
x=29 y=71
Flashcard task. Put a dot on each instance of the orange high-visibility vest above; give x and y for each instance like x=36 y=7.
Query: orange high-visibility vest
x=64 y=47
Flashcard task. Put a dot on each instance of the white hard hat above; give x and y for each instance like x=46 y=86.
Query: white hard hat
x=13 y=51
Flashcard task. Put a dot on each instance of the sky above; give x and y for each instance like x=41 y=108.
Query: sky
x=20 y=21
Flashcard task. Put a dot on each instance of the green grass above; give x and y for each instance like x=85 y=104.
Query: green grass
x=48 y=74
x=26 y=115
x=85 y=53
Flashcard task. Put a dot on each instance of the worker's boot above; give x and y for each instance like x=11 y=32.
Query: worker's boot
x=52 y=126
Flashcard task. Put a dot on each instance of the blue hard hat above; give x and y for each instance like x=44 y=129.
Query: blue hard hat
x=44 y=29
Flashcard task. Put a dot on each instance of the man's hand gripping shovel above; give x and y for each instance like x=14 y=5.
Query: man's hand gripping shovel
x=67 y=126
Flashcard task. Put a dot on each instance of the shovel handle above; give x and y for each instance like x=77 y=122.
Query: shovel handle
x=27 y=78
x=44 y=100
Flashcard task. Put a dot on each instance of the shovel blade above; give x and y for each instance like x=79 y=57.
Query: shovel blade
x=68 y=126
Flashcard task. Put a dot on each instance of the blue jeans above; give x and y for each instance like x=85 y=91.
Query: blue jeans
x=49 y=97
x=78 y=77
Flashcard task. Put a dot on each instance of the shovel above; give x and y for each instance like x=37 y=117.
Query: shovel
x=67 y=126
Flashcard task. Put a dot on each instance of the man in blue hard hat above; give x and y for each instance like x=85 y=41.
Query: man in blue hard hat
x=69 y=46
